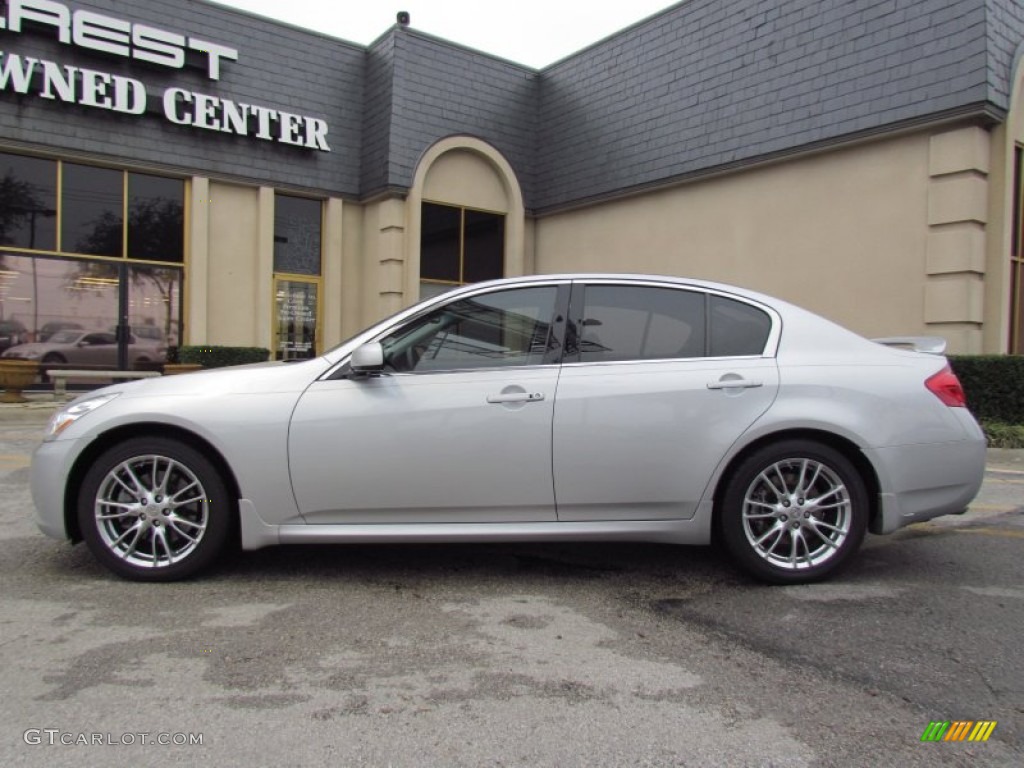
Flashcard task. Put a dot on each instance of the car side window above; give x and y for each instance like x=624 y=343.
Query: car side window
x=618 y=322
x=736 y=328
x=498 y=329
x=99 y=338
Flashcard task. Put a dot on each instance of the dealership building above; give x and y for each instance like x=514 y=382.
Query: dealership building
x=227 y=179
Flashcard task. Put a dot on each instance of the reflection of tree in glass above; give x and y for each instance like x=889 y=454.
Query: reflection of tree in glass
x=19 y=206
x=155 y=232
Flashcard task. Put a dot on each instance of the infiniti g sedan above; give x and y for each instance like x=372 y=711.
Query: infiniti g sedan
x=546 y=408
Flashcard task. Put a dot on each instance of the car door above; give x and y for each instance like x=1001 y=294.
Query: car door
x=456 y=429
x=95 y=349
x=658 y=382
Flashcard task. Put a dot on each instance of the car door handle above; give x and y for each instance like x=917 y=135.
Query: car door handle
x=735 y=384
x=516 y=397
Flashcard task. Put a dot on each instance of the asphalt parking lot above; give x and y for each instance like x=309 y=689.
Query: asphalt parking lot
x=558 y=655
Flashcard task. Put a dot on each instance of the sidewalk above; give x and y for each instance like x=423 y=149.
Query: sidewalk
x=41 y=406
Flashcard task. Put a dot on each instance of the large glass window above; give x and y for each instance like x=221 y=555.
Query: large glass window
x=497 y=329
x=28 y=202
x=156 y=218
x=92 y=210
x=42 y=296
x=105 y=246
x=459 y=246
x=297 y=224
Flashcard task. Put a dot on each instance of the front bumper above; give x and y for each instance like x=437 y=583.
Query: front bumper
x=51 y=468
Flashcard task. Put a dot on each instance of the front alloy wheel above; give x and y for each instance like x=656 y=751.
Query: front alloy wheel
x=794 y=512
x=154 y=509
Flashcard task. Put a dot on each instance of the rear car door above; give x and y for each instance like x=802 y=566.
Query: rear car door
x=658 y=382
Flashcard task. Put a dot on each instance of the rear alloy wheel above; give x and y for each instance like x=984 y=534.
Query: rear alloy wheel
x=154 y=509
x=794 y=512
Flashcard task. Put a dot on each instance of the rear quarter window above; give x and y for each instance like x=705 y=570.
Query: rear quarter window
x=736 y=328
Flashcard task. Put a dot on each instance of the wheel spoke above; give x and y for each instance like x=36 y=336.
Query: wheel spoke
x=177 y=503
x=116 y=515
x=775 y=529
x=174 y=525
x=174 y=496
x=824 y=538
x=832 y=492
x=131 y=473
x=822 y=524
x=778 y=494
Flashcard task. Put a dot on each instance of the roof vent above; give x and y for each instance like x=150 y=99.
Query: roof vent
x=403 y=18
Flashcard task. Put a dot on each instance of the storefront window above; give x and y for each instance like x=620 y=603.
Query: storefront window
x=80 y=279
x=296 y=304
x=296 y=235
x=156 y=218
x=92 y=210
x=41 y=296
x=28 y=202
x=459 y=246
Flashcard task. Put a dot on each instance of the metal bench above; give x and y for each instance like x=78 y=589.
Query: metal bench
x=60 y=378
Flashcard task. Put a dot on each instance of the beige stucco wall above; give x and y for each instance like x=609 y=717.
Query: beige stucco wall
x=843 y=233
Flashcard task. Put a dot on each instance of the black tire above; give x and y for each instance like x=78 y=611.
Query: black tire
x=794 y=512
x=178 y=514
x=54 y=358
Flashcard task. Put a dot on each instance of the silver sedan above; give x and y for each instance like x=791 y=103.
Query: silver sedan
x=549 y=408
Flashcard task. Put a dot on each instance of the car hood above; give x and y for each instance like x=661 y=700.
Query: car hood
x=38 y=348
x=241 y=379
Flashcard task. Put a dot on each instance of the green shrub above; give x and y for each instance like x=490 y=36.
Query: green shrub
x=994 y=385
x=218 y=357
x=1001 y=435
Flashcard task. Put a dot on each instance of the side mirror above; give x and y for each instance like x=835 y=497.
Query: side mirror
x=368 y=358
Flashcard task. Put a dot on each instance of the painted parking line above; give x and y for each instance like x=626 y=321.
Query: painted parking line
x=18 y=460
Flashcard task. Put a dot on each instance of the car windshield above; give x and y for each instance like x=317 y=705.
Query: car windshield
x=65 y=337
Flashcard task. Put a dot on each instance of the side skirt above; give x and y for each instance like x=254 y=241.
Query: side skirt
x=256 y=533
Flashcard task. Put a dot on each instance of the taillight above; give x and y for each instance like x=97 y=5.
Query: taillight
x=946 y=386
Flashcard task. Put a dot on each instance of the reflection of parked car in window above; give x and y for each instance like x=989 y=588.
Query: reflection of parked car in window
x=12 y=333
x=86 y=348
x=53 y=326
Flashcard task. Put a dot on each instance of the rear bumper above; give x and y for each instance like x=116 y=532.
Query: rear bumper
x=920 y=482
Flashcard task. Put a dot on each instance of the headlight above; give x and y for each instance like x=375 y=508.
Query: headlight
x=68 y=415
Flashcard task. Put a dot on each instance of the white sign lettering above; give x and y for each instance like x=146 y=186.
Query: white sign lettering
x=97 y=32
x=100 y=90
x=117 y=93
